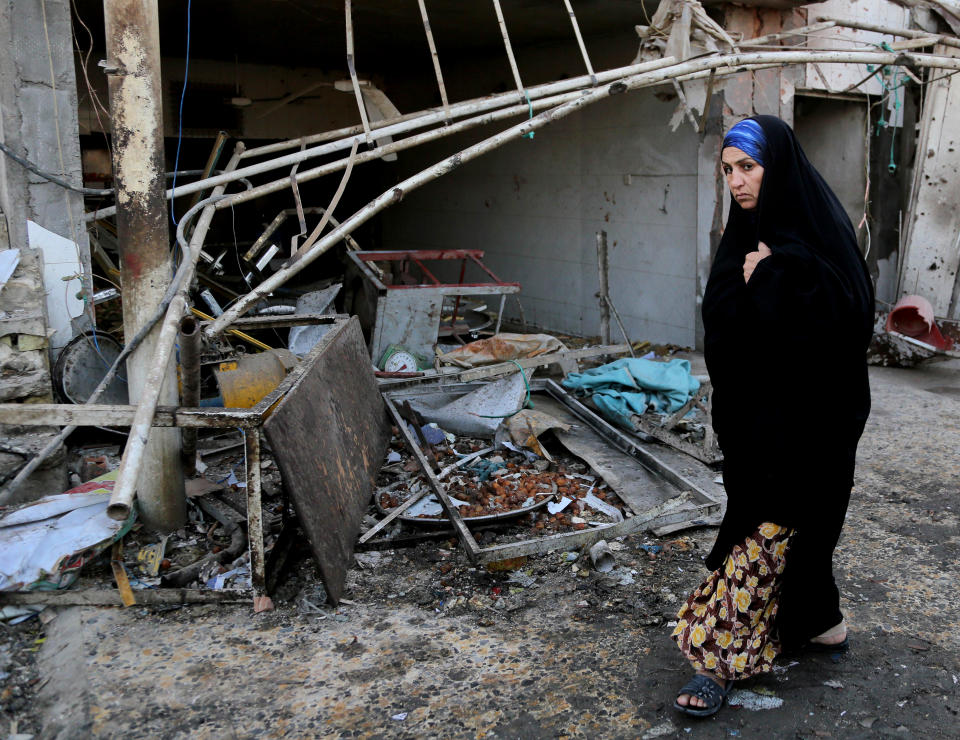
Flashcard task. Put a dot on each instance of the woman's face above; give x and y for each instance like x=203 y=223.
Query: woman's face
x=744 y=176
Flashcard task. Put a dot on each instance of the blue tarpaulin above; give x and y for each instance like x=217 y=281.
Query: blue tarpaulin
x=630 y=386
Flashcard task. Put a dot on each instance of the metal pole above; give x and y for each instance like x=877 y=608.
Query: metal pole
x=189 y=386
x=133 y=73
x=576 y=31
x=435 y=57
x=132 y=463
x=509 y=48
x=258 y=558
x=603 y=267
x=352 y=67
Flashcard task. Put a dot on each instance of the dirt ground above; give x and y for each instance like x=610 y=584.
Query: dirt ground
x=430 y=647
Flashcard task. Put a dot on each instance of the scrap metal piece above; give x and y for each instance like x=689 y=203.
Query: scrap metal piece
x=665 y=513
x=624 y=442
x=391 y=516
x=329 y=435
x=191 y=348
x=410 y=315
x=707 y=450
x=83 y=364
x=258 y=563
x=637 y=486
x=466 y=538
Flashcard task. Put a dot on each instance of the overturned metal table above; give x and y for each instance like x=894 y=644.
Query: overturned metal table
x=248 y=421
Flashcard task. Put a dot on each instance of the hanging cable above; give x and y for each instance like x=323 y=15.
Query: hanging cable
x=94 y=192
x=28 y=165
x=183 y=95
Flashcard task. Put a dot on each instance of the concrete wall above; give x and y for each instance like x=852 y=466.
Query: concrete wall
x=838 y=77
x=40 y=118
x=38 y=101
x=535 y=206
x=39 y=122
x=931 y=262
x=833 y=133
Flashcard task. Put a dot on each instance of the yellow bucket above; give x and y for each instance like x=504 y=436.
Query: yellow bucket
x=247 y=379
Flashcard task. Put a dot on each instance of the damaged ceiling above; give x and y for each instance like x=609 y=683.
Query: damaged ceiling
x=310 y=33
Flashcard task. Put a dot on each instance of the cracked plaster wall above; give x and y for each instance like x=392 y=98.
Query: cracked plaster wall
x=38 y=101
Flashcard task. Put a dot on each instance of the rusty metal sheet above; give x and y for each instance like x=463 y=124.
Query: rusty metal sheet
x=329 y=436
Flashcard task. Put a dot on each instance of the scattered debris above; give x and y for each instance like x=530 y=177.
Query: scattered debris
x=753 y=701
x=602 y=557
x=661 y=730
x=45 y=543
x=502 y=348
x=472 y=411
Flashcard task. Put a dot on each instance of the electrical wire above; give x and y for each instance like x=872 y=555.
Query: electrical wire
x=95 y=101
x=95 y=192
x=28 y=165
x=183 y=95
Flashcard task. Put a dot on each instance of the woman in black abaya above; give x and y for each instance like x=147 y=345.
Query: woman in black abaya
x=787 y=314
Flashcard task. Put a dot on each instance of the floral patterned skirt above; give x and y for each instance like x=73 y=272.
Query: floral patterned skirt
x=726 y=625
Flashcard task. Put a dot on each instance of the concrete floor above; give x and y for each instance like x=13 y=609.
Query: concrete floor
x=571 y=656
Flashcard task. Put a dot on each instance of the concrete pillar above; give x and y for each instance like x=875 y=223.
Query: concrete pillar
x=133 y=72
x=931 y=263
x=38 y=120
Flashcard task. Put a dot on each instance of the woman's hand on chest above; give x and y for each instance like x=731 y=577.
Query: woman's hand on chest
x=753 y=259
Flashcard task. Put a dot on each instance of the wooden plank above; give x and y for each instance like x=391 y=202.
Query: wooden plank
x=329 y=435
x=65 y=414
x=111 y=597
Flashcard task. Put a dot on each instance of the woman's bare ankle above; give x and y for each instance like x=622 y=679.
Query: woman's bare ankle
x=833 y=636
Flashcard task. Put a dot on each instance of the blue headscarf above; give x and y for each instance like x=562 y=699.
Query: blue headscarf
x=747 y=136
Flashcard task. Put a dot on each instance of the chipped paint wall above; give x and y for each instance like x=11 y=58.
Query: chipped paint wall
x=39 y=121
x=832 y=133
x=932 y=242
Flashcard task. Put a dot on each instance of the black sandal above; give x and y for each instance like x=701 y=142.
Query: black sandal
x=822 y=647
x=708 y=691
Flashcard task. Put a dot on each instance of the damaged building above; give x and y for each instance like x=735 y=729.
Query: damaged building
x=325 y=277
